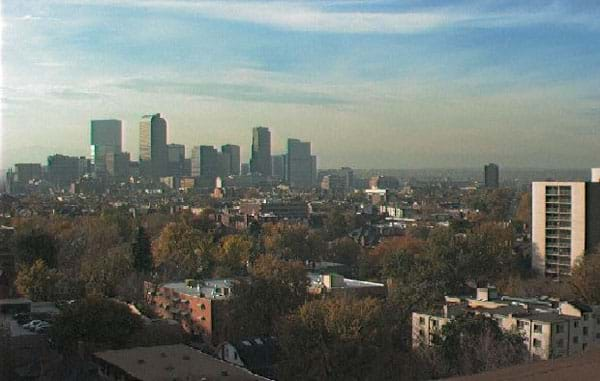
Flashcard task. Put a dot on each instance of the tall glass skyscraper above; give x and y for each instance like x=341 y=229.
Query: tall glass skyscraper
x=153 y=146
x=106 y=138
x=300 y=164
x=260 y=160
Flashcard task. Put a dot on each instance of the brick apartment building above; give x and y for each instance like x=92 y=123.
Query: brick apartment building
x=200 y=306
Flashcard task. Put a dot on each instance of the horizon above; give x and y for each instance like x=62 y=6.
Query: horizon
x=422 y=84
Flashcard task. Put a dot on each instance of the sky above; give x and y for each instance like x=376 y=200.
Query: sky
x=372 y=84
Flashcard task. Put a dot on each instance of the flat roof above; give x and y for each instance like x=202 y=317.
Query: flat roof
x=168 y=362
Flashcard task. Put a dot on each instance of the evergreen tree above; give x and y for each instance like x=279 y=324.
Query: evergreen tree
x=141 y=250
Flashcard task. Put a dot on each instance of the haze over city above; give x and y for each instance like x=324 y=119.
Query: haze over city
x=371 y=85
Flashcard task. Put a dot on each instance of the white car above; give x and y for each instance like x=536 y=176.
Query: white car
x=32 y=325
x=42 y=327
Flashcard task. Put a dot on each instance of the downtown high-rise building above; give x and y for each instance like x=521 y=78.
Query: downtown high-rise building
x=231 y=159
x=176 y=160
x=153 y=146
x=279 y=164
x=301 y=165
x=106 y=139
x=565 y=224
x=260 y=159
x=491 y=176
x=205 y=163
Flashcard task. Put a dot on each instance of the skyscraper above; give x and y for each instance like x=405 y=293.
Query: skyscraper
x=492 y=176
x=565 y=225
x=153 y=146
x=279 y=167
x=106 y=137
x=205 y=163
x=260 y=160
x=300 y=164
x=176 y=159
x=233 y=154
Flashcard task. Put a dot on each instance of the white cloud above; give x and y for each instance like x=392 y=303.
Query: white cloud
x=316 y=16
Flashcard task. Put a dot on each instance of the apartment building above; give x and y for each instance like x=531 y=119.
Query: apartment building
x=565 y=224
x=550 y=328
x=200 y=306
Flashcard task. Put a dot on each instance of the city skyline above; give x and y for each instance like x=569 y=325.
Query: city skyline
x=371 y=85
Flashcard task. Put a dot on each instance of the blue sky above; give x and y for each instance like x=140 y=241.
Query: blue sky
x=386 y=84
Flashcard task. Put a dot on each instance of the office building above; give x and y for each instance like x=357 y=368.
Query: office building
x=117 y=164
x=205 y=163
x=153 y=146
x=245 y=169
x=565 y=225
x=231 y=155
x=260 y=159
x=279 y=164
x=492 y=176
x=25 y=172
x=348 y=175
x=300 y=164
x=176 y=160
x=384 y=182
x=63 y=170
x=106 y=137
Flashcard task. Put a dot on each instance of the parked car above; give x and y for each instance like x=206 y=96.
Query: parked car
x=32 y=325
x=43 y=327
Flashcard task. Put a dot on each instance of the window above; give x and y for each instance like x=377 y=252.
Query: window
x=585 y=331
x=560 y=328
x=537 y=343
x=434 y=323
x=585 y=317
x=537 y=328
x=520 y=324
x=575 y=324
x=560 y=343
x=421 y=333
x=575 y=339
x=421 y=320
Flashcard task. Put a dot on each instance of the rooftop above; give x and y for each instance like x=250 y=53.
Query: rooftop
x=211 y=288
x=170 y=362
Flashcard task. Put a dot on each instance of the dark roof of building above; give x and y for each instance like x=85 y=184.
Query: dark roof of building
x=168 y=362
x=257 y=353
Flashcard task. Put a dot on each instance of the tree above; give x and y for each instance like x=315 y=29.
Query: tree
x=523 y=213
x=336 y=224
x=33 y=244
x=104 y=273
x=38 y=281
x=275 y=289
x=345 y=250
x=233 y=255
x=288 y=242
x=585 y=279
x=182 y=252
x=141 y=249
x=95 y=320
x=331 y=339
x=469 y=345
